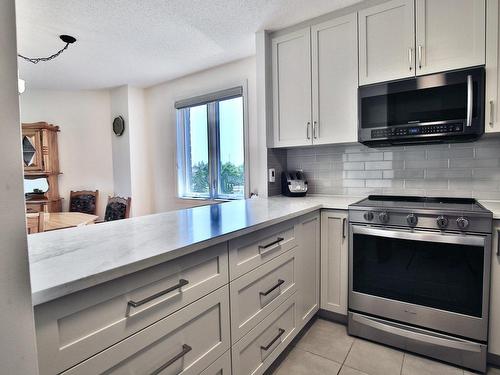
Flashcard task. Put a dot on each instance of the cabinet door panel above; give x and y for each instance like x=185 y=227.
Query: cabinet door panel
x=334 y=261
x=335 y=80
x=492 y=123
x=308 y=268
x=386 y=42
x=450 y=34
x=291 y=58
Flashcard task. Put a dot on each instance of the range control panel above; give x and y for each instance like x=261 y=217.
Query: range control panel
x=417 y=130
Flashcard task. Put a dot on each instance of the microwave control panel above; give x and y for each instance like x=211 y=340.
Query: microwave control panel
x=417 y=130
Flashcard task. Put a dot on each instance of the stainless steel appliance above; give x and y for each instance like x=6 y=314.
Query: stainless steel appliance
x=419 y=275
x=433 y=108
x=293 y=184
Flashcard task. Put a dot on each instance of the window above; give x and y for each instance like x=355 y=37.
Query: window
x=211 y=146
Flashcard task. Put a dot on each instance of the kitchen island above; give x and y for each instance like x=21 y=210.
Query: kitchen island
x=242 y=273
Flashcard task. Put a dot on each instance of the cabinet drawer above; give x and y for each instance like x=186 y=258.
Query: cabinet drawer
x=261 y=346
x=73 y=328
x=222 y=366
x=250 y=251
x=185 y=342
x=257 y=293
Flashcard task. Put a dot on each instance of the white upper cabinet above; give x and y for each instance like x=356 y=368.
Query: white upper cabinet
x=450 y=34
x=492 y=112
x=387 y=42
x=291 y=71
x=335 y=80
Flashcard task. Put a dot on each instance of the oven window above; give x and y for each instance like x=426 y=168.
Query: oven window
x=443 y=276
x=442 y=103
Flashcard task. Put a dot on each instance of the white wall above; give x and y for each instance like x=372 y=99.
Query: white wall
x=161 y=117
x=17 y=342
x=85 y=154
x=140 y=156
x=121 y=144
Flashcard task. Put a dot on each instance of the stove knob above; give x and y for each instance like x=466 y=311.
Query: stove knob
x=412 y=220
x=368 y=216
x=462 y=223
x=383 y=217
x=442 y=222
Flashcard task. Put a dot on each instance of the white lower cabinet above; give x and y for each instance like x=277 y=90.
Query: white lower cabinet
x=256 y=294
x=82 y=324
x=261 y=346
x=185 y=342
x=494 y=316
x=228 y=309
x=308 y=239
x=222 y=366
x=334 y=261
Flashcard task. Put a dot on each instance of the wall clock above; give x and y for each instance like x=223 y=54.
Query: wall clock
x=118 y=125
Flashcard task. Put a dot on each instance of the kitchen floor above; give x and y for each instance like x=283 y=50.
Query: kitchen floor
x=326 y=348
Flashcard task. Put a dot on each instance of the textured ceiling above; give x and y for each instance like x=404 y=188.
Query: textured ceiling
x=146 y=42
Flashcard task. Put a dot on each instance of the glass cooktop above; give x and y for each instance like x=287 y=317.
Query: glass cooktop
x=431 y=203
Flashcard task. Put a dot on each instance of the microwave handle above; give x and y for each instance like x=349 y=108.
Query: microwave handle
x=470 y=100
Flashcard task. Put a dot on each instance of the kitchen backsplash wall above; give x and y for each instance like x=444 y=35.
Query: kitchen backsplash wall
x=459 y=169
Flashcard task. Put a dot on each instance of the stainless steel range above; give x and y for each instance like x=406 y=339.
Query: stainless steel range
x=419 y=275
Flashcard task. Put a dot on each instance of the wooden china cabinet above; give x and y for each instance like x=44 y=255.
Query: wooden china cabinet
x=41 y=163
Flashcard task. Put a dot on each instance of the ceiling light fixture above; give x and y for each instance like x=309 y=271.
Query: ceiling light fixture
x=68 y=39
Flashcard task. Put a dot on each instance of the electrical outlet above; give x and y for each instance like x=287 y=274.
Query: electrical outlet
x=272 y=175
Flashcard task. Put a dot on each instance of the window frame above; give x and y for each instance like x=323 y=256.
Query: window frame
x=213 y=130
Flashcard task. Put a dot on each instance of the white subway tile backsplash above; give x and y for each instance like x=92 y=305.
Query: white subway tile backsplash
x=461 y=169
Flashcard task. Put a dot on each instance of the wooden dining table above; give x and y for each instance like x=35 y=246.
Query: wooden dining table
x=61 y=220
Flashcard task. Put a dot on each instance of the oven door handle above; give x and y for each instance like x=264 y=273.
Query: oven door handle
x=459 y=239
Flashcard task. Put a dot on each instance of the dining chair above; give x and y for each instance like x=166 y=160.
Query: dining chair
x=34 y=222
x=118 y=208
x=83 y=201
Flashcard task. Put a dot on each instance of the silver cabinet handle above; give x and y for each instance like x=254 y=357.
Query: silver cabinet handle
x=185 y=349
x=179 y=285
x=315 y=130
x=308 y=134
x=281 y=331
x=420 y=57
x=410 y=58
x=470 y=101
x=498 y=242
x=344 y=221
x=278 y=284
x=492 y=118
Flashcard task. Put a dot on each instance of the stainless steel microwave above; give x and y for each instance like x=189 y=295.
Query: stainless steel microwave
x=444 y=107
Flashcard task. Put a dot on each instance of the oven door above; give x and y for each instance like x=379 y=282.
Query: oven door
x=428 y=279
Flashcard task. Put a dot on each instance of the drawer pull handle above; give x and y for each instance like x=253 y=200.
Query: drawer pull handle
x=185 y=349
x=280 y=333
x=181 y=283
x=278 y=240
x=273 y=288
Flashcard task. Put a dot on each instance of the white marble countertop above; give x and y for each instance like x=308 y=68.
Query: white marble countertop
x=493 y=206
x=69 y=260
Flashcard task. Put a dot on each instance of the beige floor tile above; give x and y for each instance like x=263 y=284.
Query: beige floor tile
x=490 y=371
x=300 y=362
x=374 y=359
x=350 y=371
x=327 y=339
x=415 y=365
